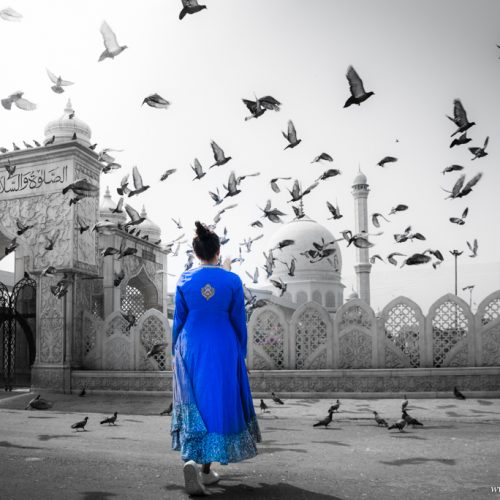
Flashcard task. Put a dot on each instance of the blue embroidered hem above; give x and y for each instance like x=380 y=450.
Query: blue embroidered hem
x=190 y=437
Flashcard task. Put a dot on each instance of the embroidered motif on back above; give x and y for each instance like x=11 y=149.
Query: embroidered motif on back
x=208 y=291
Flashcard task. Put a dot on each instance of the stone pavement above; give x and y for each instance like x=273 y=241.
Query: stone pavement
x=455 y=455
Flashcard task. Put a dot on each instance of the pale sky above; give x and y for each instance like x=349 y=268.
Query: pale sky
x=417 y=56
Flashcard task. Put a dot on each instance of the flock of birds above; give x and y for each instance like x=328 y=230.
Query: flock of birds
x=257 y=107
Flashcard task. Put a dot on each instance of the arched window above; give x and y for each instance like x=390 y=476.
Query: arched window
x=330 y=299
x=140 y=295
x=316 y=296
x=301 y=297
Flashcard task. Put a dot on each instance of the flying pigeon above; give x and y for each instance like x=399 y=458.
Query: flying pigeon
x=58 y=82
x=9 y=14
x=358 y=93
x=274 y=183
x=480 y=152
x=219 y=156
x=18 y=99
x=167 y=173
x=197 y=169
x=334 y=211
x=460 y=220
x=156 y=101
x=398 y=208
x=460 y=118
x=190 y=7
x=291 y=136
x=138 y=184
x=473 y=248
x=452 y=168
x=387 y=159
x=112 y=48
x=322 y=156
x=463 y=139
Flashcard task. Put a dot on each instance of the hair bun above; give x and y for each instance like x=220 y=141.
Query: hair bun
x=202 y=231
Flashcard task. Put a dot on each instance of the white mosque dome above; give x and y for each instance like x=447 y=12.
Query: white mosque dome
x=149 y=227
x=64 y=127
x=360 y=179
x=304 y=232
x=353 y=295
x=106 y=207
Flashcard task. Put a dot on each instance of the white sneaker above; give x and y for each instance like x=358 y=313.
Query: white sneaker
x=211 y=478
x=192 y=479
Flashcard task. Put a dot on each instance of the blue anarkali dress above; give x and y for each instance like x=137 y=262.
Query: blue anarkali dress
x=213 y=418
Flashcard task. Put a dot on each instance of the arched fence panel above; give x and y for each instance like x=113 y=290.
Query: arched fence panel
x=487 y=331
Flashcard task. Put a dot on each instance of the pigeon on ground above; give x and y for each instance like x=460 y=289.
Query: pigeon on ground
x=26 y=145
x=81 y=424
x=400 y=425
x=410 y=420
x=83 y=392
x=335 y=407
x=110 y=420
x=39 y=403
x=112 y=48
x=404 y=403
x=291 y=136
x=263 y=406
x=358 y=93
x=36 y=143
x=50 y=141
x=460 y=118
x=156 y=101
x=190 y=7
x=326 y=421
x=276 y=399
x=458 y=394
x=168 y=410
x=58 y=82
x=380 y=421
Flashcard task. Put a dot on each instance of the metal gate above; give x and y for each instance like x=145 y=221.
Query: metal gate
x=17 y=332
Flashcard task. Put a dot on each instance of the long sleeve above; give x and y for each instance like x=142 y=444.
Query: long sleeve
x=180 y=315
x=238 y=316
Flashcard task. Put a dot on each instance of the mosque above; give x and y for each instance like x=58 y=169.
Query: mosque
x=113 y=309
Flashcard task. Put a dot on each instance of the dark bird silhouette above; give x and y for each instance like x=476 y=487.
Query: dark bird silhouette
x=473 y=248
x=291 y=136
x=197 y=169
x=326 y=421
x=255 y=276
x=276 y=399
x=156 y=101
x=135 y=218
x=81 y=424
x=112 y=47
x=283 y=243
x=452 y=168
x=11 y=169
x=51 y=240
x=359 y=240
x=334 y=211
x=415 y=259
x=168 y=410
x=463 y=139
x=260 y=106
x=386 y=159
x=130 y=319
x=375 y=217
x=219 y=156
x=158 y=348
x=274 y=183
x=280 y=285
x=138 y=184
x=263 y=406
x=36 y=143
x=27 y=146
x=190 y=7
x=83 y=392
x=458 y=394
x=400 y=425
x=410 y=420
x=3 y=150
x=232 y=186
x=290 y=267
x=110 y=420
x=297 y=193
x=335 y=407
x=480 y=152
x=83 y=188
x=322 y=156
x=460 y=190
x=49 y=271
x=332 y=172
x=460 y=220
x=177 y=223
x=392 y=260
x=380 y=421
x=50 y=141
x=460 y=118
x=273 y=214
x=167 y=173
x=15 y=147
x=398 y=208
x=118 y=278
x=358 y=93
x=22 y=228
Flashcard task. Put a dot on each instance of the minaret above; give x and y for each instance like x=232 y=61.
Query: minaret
x=362 y=267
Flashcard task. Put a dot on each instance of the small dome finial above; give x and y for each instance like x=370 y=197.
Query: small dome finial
x=69 y=108
x=143 y=212
x=107 y=194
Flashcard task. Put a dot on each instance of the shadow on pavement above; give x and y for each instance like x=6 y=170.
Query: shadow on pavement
x=270 y=449
x=336 y=443
x=406 y=436
x=484 y=402
x=48 y=437
x=419 y=460
x=280 y=491
x=7 y=444
x=97 y=495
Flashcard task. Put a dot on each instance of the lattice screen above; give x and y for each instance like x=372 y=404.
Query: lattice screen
x=152 y=333
x=118 y=324
x=355 y=315
x=310 y=333
x=402 y=329
x=449 y=326
x=133 y=301
x=269 y=335
x=89 y=335
x=491 y=311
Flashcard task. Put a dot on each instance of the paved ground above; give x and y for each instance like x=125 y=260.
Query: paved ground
x=455 y=455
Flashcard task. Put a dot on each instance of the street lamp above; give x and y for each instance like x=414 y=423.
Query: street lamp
x=455 y=254
x=470 y=288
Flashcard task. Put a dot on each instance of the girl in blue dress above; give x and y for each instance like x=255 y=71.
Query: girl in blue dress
x=213 y=418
